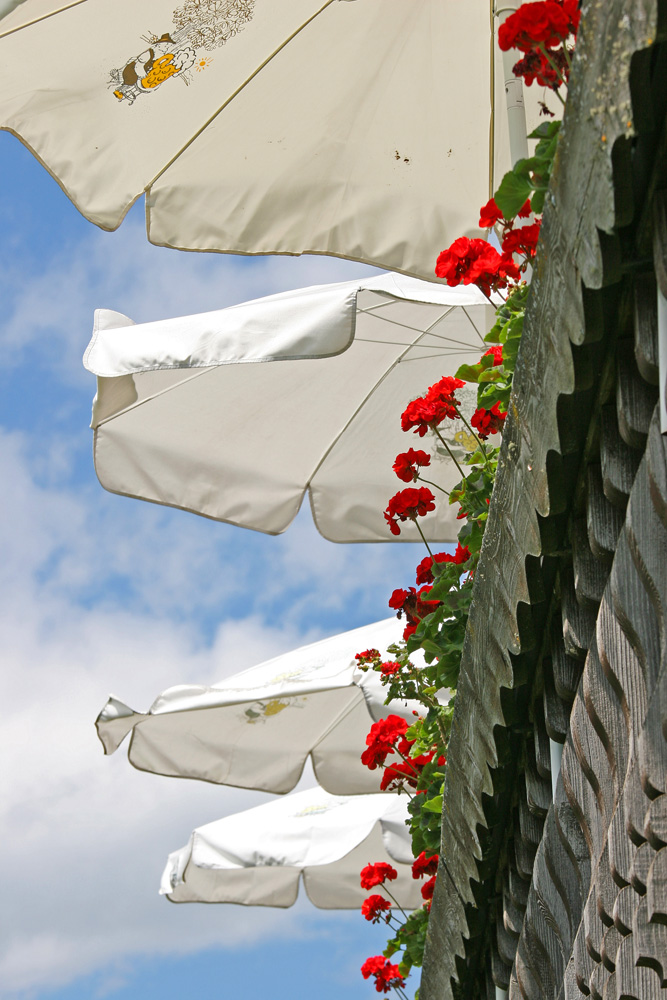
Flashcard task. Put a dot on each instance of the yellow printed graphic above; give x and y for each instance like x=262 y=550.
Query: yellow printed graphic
x=162 y=69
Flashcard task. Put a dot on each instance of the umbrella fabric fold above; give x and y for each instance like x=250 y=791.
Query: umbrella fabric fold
x=367 y=129
x=257 y=728
x=258 y=857
x=181 y=419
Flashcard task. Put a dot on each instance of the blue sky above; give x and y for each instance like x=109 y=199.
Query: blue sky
x=100 y=594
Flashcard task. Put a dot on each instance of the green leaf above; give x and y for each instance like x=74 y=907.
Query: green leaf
x=433 y=805
x=515 y=188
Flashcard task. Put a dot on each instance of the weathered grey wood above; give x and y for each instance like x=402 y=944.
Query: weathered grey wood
x=656 y=895
x=606 y=780
x=641 y=865
x=646 y=327
x=566 y=669
x=660 y=239
x=604 y=521
x=590 y=574
x=619 y=461
x=578 y=622
x=635 y=399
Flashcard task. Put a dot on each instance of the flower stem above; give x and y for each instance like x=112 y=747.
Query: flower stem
x=422 y=534
x=422 y=480
x=395 y=901
x=451 y=455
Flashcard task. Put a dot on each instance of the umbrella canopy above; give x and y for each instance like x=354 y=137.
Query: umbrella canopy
x=368 y=129
x=257 y=728
x=258 y=857
x=181 y=417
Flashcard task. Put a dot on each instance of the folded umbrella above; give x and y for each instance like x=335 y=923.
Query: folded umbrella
x=237 y=414
x=259 y=857
x=257 y=728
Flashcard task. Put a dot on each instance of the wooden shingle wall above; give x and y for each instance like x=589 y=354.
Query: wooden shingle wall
x=566 y=642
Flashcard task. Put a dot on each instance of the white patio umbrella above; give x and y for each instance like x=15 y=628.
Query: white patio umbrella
x=258 y=857
x=257 y=728
x=367 y=129
x=182 y=418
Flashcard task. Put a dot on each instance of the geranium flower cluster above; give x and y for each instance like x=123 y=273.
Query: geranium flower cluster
x=425 y=568
x=408 y=464
x=381 y=741
x=428 y=411
x=422 y=867
x=476 y=262
x=414 y=605
x=488 y=422
x=377 y=874
x=386 y=975
x=547 y=23
x=521 y=240
x=408 y=505
x=388 y=737
x=541 y=30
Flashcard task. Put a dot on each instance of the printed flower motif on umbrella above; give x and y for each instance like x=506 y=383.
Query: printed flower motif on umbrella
x=375 y=908
x=386 y=975
x=377 y=874
x=408 y=505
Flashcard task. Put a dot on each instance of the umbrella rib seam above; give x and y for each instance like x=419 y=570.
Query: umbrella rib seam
x=363 y=402
x=231 y=97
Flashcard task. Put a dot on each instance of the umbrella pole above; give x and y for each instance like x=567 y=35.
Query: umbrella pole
x=516 y=109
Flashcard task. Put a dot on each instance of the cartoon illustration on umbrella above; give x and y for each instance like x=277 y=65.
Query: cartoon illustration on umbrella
x=198 y=24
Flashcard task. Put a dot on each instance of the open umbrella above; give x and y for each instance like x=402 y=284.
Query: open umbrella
x=182 y=418
x=257 y=728
x=258 y=857
x=367 y=129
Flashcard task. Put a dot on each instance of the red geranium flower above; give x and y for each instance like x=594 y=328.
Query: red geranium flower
x=386 y=974
x=488 y=422
x=389 y=668
x=398 y=599
x=545 y=22
x=408 y=505
x=475 y=262
x=395 y=774
x=536 y=67
x=373 y=908
x=368 y=656
x=497 y=352
x=427 y=888
x=425 y=866
x=408 y=631
x=489 y=214
x=438 y=404
x=376 y=874
x=381 y=740
x=522 y=241
x=408 y=463
x=425 y=568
